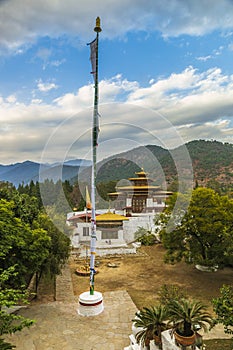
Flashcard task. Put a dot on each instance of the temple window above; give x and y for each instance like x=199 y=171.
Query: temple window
x=85 y=231
x=109 y=234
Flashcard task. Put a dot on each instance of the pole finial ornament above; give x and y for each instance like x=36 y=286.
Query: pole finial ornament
x=97 y=25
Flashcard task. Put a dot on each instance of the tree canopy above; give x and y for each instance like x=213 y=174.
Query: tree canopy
x=223 y=307
x=30 y=245
x=204 y=234
x=20 y=245
x=9 y=297
x=29 y=240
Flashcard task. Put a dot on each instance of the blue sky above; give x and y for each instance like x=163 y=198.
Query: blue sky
x=165 y=75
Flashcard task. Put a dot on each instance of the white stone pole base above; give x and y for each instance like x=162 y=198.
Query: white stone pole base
x=90 y=305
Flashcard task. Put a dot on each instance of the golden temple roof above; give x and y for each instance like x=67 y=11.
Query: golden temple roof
x=109 y=216
x=150 y=187
x=114 y=193
x=140 y=179
x=142 y=172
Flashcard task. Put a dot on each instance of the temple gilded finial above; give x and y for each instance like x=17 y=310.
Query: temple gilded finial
x=97 y=25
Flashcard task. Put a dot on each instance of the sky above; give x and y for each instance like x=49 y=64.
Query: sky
x=165 y=76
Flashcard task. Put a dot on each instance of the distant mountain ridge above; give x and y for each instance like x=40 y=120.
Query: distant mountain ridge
x=27 y=171
x=211 y=161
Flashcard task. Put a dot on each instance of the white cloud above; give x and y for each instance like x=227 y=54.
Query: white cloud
x=45 y=87
x=197 y=105
x=189 y=96
x=112 y=89
x=36 y=101
x=204 y=58
x=57 y=63
x=74 y=102
x=218 y=51
x=11 y=99
x=22 y=22
x=218 y=130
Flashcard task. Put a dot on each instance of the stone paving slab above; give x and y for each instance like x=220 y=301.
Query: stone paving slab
x=58 y=326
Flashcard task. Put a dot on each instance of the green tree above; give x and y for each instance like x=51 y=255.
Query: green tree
x=146 y=237
x=223 y=307
x=76 y=198
x=48 y=192
x=203 y=235
x=9 y=297
x=26 y=207
x=67 y=188
x=32 y=190
x=7 y=190
x=169 y=292
x=29 y=240
x=59 y=220
x=104 y=188
x=59 y=246
x=20 y=245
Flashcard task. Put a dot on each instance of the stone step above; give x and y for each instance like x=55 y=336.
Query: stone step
x=64 y=287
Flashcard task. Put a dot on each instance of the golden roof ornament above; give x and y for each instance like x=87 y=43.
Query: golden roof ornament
x=97 y=25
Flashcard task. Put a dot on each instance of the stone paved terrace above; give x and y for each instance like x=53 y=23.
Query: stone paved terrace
x=58 y=325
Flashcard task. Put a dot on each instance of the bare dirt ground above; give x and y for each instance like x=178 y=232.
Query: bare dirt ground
x=143 y=274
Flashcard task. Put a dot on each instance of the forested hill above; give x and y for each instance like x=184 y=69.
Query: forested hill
x=212 y=163
x=212 y=160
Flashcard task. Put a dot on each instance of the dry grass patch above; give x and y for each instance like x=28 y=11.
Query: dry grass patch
x=143 y=274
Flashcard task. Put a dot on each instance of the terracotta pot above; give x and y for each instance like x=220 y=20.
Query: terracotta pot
x=186 y=341
x=157 y=339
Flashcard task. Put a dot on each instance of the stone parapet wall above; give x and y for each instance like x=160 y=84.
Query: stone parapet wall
x=116 y=250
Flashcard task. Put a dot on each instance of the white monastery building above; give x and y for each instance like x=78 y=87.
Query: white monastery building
x=135 y=206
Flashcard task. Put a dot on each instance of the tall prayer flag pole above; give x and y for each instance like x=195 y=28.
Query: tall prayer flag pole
x=91 y=303
x=95 y=131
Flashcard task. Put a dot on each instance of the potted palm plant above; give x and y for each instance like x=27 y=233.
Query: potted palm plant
x=151 y=322
x=187 y=316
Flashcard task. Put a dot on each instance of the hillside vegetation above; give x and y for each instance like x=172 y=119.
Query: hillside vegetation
x=211 y=162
